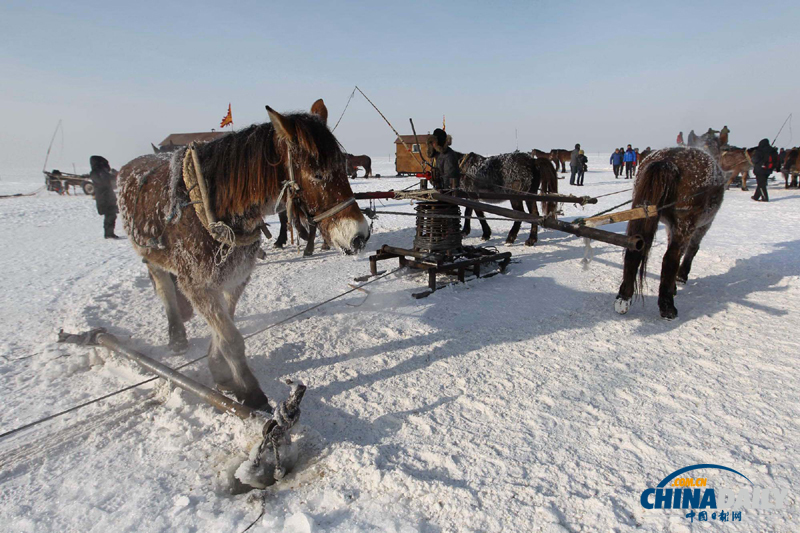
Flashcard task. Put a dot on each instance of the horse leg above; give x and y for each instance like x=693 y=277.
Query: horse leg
x=691 y=251
x=512 y=235
x=745 y=176
x=633 y=259
x=467 y=219
x=232 y=296
x=312 y=234
x=669 y=273
x=166 y=290
x=487 y=231
x=534 y=236
x=730 y=180
x=227 y=360
x=280 y=242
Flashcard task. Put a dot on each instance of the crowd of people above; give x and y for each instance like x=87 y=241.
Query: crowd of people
x=626 y=159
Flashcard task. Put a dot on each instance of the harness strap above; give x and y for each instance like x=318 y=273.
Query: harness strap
x=333 y=210
x=291 y=188
x=197 y=189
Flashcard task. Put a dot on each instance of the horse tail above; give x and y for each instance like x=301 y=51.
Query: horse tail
x=657 y=185
x=368 y=165
x=549 y=185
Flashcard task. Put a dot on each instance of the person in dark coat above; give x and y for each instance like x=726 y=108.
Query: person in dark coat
x=692 y=139
x=448 y=173
x=105 y=198
x=764 y=160
x=583 y=162
x=574 y=163
x=616 y=162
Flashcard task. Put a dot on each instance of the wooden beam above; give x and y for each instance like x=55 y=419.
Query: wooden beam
x=622 y=216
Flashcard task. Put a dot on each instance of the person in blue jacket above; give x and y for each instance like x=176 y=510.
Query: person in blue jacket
x=616 y=162
x=630 y=162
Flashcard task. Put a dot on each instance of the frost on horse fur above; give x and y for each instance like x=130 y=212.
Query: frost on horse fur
x=687 y=185
x=245 y=173
x=508 y=173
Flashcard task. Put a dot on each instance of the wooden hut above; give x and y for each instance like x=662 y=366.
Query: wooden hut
x=405 y=162
x=178 y=140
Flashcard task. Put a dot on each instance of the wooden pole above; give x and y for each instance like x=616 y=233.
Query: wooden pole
x=390 y=125
x=631 y=243
x=621 y=216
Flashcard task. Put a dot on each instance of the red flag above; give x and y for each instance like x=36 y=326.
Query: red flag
x=228 y=119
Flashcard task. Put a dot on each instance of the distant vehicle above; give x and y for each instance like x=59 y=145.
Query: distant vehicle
x=57 y=181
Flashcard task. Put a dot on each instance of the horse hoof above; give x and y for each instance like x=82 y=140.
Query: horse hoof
x=464 y=233
x=530 y=242
x=682 y=280
x=325 y=247
x=509 y=243
x=621 y=305
x=258 y=401
x=179 y=345
x=669 y=313
x=307 y=253
x=278 y=245
x=485 y=238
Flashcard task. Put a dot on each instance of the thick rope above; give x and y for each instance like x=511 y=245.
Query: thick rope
x=221 y=232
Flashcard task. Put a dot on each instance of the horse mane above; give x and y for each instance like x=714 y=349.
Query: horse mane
x=245 y=169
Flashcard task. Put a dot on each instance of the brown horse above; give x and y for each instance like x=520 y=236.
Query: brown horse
x=538 y=154
x=737 y=162
x=355 y=161
x=791 y=167
x=508 y=173
x=687 y=186
x=293 y=161
x=560 y=156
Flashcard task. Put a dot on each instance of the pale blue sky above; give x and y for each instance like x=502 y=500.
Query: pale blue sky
x=122 y=75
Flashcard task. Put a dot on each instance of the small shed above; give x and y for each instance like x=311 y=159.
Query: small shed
x=179 y=140
x=405 y=161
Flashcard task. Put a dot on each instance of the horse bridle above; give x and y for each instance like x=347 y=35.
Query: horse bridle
x=292 y=189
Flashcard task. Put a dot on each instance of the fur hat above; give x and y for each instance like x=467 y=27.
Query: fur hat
x=98 y=162
x=440 y=140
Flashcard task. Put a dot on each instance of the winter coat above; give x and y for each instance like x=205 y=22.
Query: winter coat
x=630 y=156
x=680 y=138
x=447 y=167
x=103 y=181
x=574 y=158
x=764 y=158
x=616 y=159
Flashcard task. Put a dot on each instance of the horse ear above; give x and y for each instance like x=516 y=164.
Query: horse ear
x=283 y=126
x=319 y=109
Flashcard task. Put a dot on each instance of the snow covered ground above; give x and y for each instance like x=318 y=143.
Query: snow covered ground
x=521 y=402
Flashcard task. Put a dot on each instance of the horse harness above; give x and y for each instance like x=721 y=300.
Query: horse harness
x=220 y=231
x=291 y=189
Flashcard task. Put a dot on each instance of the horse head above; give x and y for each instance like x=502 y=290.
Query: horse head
x=318 y=184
